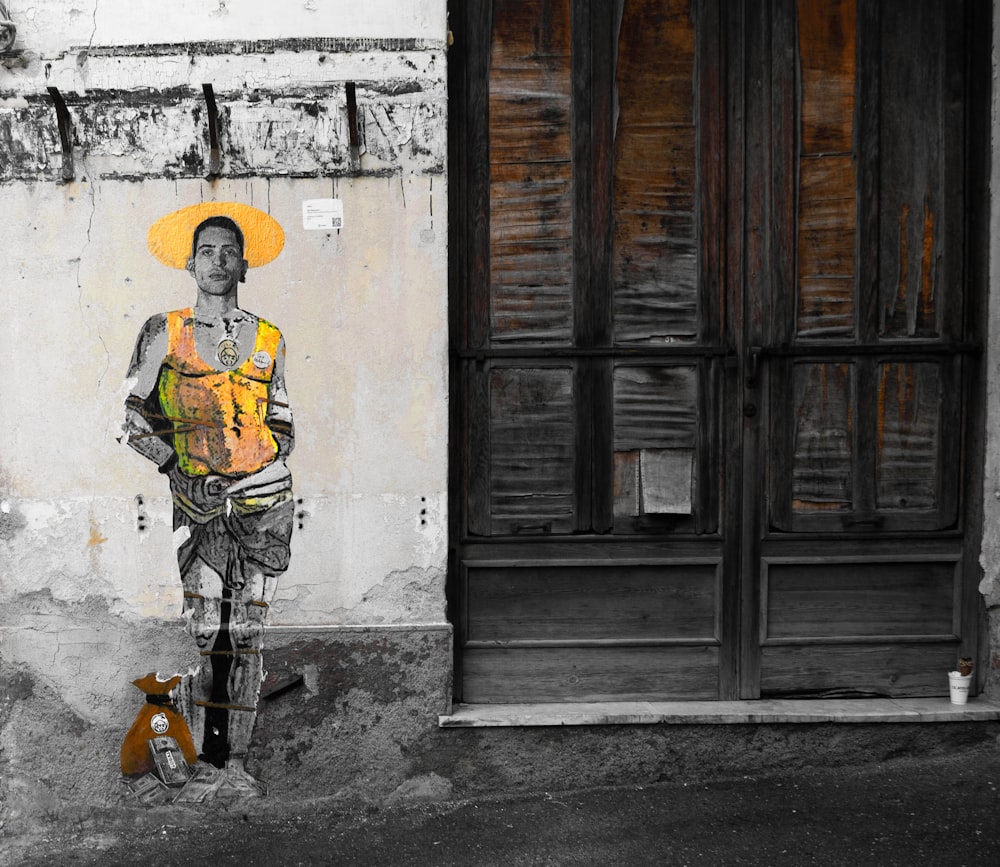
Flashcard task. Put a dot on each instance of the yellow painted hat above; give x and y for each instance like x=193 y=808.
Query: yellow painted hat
x=169 y=238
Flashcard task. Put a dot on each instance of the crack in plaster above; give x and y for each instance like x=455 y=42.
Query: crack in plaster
x=93 y=32
x=92 y=195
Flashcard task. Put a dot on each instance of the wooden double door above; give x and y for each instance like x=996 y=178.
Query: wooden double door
x=716 y=293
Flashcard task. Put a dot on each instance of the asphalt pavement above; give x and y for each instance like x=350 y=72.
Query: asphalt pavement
x=942 y=811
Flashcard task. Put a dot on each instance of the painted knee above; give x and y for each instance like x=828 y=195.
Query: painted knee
x=246 y=627
x=203 y=619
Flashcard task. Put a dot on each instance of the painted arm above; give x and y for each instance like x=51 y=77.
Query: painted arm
x=145 y=431
x=279 y=411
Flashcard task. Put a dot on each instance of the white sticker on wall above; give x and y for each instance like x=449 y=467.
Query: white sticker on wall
x=322 y=214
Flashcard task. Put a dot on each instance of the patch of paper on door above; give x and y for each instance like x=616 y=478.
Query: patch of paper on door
x=666 y=481
x=322 y=214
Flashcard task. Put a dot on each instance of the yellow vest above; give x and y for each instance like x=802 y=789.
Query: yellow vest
x=218 y=416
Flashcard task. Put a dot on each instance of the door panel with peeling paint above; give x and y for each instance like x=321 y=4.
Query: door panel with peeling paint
x=714 y=346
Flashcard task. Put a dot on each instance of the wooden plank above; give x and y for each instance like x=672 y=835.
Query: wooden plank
x=708 y=446
x=827 y=33
x=822 y=447
x=635 y=551
x=961 y=150
x=909 y=436
x=856 y=670
x=827 y=190
x=532 y=449
x=869 y=167
x=603 y=466
x=590 y=674
x=780 y=443
x=585 y=389
x=827 y=231
x=782 y=118
x=857 y=598
x=530 y=151
x=750 y=275
x=712 y=169
x=826 y=306
x=655 y=407
x=474 y=178
x=627 y=487
x=720 y=53
x=655 y=174
x=594 y=601
x=912 y=154
x=595 y=244
x=477 y=450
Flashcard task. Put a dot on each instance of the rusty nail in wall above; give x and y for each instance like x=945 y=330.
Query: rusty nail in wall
x=352 y=118
x=65 y=133
x=214 y=159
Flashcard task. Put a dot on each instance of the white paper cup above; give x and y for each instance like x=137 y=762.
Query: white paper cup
x=958 y=687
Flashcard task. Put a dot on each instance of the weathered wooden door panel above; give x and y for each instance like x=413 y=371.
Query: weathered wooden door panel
x=524 y=436
x=552 y=629
x=529 y=97
x=841 y=596
x=555 y=601
x=855 y=670
x=714 y=346
x=591 y=354
x=861 y=356
x=585 y=673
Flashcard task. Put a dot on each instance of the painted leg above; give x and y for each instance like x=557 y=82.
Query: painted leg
x=203 y=612
x=248 y=614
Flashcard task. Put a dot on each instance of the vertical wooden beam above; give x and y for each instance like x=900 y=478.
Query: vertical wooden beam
x=603 y=40
x=754 y=75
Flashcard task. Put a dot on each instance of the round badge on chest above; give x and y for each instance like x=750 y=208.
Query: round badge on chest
x=228 y=352
x=261 y=360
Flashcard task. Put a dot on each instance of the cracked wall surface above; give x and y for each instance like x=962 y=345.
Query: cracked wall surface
x=363 y=311
x=90 y=592
x=990 y=556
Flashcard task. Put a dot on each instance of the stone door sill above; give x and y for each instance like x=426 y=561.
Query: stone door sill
x=875 y=710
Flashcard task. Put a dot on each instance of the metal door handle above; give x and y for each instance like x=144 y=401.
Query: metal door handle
x=753 y=366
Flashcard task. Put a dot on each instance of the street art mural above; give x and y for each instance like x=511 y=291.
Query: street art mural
x=207 y=405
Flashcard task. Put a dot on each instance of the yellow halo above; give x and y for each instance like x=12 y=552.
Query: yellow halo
x=169 y=238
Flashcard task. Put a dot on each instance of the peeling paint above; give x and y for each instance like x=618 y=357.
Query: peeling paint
x=12 y=522
x=163 y=134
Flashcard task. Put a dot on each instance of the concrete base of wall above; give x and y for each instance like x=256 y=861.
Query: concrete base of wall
x=365 y=698
x=479 y=761
x=352 y=713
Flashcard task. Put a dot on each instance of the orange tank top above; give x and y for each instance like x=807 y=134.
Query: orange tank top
x=218 y=416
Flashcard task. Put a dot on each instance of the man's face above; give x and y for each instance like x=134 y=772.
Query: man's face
x=217 y=265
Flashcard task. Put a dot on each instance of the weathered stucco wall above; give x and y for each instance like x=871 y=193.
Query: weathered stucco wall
x=51 y=26
x=363 y=318
x=990 y=557
x=89 y=586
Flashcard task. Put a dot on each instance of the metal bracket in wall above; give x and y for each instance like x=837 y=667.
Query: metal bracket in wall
x=65 y=133
x=352 y=122
x=214 y=159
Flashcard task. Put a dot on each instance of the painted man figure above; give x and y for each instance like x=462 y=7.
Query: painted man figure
x=207 y=404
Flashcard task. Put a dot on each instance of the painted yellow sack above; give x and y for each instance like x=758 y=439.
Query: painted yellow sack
x=157 y=718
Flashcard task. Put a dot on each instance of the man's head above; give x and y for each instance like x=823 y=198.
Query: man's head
x=217 y=262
